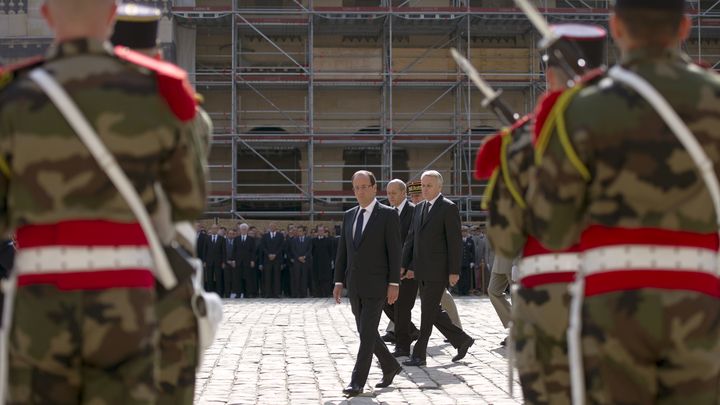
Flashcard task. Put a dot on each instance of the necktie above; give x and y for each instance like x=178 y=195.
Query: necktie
x=272 y=235
x=214 y=238
x=426 y=209
x=397 y=210
x=302 y=239
x=358 y=227
x=243 y=239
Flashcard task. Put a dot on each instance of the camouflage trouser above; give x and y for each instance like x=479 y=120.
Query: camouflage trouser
x=651 y=346
x=90 y=347
x=178 y=345
x=540 y=321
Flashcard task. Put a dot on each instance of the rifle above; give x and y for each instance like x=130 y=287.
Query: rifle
x=492 y=98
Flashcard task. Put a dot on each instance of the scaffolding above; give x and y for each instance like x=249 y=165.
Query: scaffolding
x=305 y=92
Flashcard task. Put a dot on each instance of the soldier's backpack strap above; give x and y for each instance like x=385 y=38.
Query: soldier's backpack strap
x=109 y=164
x=173 y=83
x=678 y=127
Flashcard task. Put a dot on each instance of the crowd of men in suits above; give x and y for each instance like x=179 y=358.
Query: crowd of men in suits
x=245 y=262
x=297 y=262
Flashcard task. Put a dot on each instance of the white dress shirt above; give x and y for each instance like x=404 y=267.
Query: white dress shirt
x=366 y=217
x=400 y=207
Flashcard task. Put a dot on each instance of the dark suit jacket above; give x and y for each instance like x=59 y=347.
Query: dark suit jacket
x=406 y=217
x=273 y=245
x=244 y=253
x=468 y=252
x=323 y=255
x=298 y=249
x=215 y=253
x=434 y=246
x=367 y=270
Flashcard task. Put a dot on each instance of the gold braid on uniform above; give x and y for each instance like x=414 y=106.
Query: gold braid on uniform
x=4 y=167
x=507 y=138
x=487 y=195
x=557 y=119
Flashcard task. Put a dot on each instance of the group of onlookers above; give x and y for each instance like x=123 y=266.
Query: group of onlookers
x=245 y=262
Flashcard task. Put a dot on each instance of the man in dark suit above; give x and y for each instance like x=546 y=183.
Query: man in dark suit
x=272 y=251
x=322 y=259
x=230 y=268
x=215 y=256
x=467 y=263
x=301 y=254
x=433 y=251
x=399 y=313
x=368 y=264
x=245 y=280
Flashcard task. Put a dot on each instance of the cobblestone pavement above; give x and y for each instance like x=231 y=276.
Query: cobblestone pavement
x=302 y=351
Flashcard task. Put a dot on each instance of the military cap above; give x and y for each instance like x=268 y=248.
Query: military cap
x=414 y=187
x=589 y=39
x=136 y=26
x=668 y=5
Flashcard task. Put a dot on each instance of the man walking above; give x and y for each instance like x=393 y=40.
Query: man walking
x=433 y=248
x=368 y=264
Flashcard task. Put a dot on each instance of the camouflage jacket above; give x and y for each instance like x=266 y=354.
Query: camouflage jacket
x=505 y=193
x=610 y=162
x=142 y=109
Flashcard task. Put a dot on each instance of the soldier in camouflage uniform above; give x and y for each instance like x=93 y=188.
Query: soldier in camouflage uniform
x=84 y=323
x=613 y=177
x=541 y=298
x=136 y=27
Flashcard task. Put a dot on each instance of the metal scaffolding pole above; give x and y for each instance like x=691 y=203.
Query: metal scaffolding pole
x=311 y=111
x=233 y=114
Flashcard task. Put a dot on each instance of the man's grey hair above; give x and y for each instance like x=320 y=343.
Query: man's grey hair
x=244 y=226
x=433 y=173
x=400 y=183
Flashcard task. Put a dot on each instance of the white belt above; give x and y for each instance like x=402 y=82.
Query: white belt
x=649 y=257
x=549 y=263
x=59 y=259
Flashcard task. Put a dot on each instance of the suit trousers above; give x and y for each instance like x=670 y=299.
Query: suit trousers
x=215 y=278
x=499 y=283
x=228 y=274
x=463 y=285
x=247 y=284
x=404 y=327
x=299 y=277
x=271 y=278
x=447 y=302
x=431 y=293
x=367 y=313
x=237 y=284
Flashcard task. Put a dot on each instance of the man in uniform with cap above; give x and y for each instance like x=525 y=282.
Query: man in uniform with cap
x=540 y=299
x=84 y=325
x=612 y=176
x=136 y=27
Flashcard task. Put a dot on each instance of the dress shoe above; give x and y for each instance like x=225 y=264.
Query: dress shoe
x=504 y=342
x=414 y=362
x=388 y=378
x=353 y=390
x=389 y=337
x=414 y=336
x=401 y=353
x=463 y=349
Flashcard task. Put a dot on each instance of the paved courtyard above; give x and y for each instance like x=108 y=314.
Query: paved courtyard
x=292 y=351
